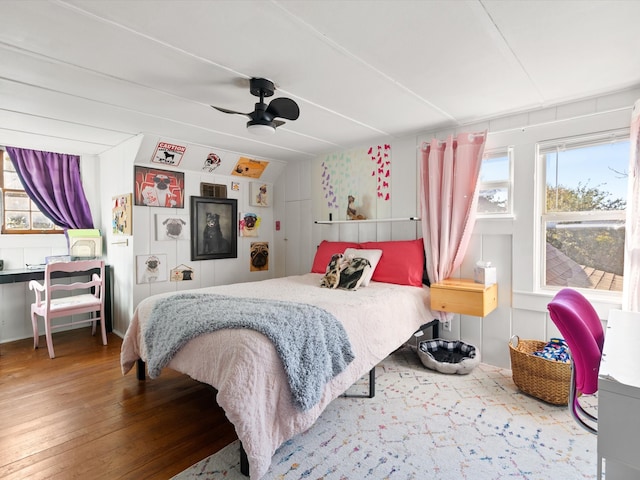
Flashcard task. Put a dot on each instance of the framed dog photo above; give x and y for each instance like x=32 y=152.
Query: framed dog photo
x=259 y=256
x=249 y=224
x=172 y=227
x=259 y=194
x=158 y=188
x=151 y=268
x=214 y=228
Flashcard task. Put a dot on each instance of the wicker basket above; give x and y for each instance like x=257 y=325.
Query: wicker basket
x=537 y=376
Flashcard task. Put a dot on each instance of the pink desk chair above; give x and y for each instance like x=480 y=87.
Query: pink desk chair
x=56 y=299
x=581 y=328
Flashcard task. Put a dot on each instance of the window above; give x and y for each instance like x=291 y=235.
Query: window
x=583 y=220
x=19 y=214
x=494 y=197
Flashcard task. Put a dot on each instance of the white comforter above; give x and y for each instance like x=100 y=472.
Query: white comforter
x=247 y=372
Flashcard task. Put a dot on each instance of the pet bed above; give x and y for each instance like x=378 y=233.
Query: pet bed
x=448 y=356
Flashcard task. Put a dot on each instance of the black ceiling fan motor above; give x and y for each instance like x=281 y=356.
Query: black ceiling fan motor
x=261 y=87
x=263 y=114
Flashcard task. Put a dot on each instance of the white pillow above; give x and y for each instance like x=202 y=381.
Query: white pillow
x=372 y=255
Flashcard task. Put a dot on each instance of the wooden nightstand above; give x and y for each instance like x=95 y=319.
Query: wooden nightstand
x=461 y=295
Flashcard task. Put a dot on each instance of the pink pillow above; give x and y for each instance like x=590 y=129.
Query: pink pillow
x=325 y=250
x=402 y=261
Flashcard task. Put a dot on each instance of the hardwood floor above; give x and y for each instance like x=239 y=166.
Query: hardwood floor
x=77 y=416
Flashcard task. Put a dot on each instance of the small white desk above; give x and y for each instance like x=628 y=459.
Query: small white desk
x=619 y=397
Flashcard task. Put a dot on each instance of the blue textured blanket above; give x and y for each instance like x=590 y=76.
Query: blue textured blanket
x=311 y=342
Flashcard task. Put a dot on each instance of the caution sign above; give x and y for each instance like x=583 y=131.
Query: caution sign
x=168 y=154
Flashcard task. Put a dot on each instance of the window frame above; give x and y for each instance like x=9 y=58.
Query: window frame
x=507 y=151
x=56 y=230
x=574 y=141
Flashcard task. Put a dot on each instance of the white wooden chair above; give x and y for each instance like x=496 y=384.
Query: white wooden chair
x=56 y=299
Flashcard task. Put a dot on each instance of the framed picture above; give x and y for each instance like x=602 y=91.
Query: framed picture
x=121 y=221
x=259 y=256
x=151 y=268
x=249 y=224
x=259 y=195
x=158 y=188
x=214 y=228
x=182 y=273
x=172 y=227
x=247 y=167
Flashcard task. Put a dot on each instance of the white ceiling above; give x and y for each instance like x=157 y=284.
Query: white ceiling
x=85 y=75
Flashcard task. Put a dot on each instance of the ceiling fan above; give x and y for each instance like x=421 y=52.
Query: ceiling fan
x=263 y=118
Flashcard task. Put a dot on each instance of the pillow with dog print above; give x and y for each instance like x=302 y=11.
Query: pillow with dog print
x=372 y=255
x=331 y=279
x=325 y=251
x=345 y=273
x=352 y=276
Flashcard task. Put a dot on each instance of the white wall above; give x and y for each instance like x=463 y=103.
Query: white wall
x=112 y=175
x=508 y=242
x=117 y=174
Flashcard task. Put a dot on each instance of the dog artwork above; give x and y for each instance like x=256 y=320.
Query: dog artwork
x=212 y=162
x=168 y=153
x=345 y=273
x=352 y=275
x=249 y=223
x=151 y=269
x=352 y=213
x=173 y=227
x=262 y=196
x=214 y=241
x=331 y=278
x=259 y=256
x=158 y=188
x=159 y=195
x=181 y=273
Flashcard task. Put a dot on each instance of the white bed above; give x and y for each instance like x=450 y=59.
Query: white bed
x=243 y=366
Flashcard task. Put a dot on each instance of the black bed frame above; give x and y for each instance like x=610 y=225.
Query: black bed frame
x=244 y=460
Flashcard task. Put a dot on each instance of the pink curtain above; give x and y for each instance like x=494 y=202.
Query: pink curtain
x=449 y=179
x=631 y=285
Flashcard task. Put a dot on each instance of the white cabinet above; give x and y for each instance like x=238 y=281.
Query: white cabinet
x=619 y=397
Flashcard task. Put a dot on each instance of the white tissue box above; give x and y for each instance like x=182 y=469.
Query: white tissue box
x=485 y=275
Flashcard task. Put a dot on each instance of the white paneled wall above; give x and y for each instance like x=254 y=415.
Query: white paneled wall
x=118 y=166
x=509 y=243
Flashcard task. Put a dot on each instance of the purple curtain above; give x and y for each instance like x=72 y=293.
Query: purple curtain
x=52 y=181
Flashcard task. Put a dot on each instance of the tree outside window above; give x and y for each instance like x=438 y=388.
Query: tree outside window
x=583 y=224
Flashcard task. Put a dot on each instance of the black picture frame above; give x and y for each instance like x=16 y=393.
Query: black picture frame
x=214 y=228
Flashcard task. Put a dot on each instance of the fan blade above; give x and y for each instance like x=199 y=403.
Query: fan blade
x=278 y=123
x=284 y=108
x=226 y=110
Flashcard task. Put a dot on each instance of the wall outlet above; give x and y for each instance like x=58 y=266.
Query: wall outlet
x=446 y=325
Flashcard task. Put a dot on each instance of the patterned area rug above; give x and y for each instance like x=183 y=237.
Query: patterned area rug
x=423 y=424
